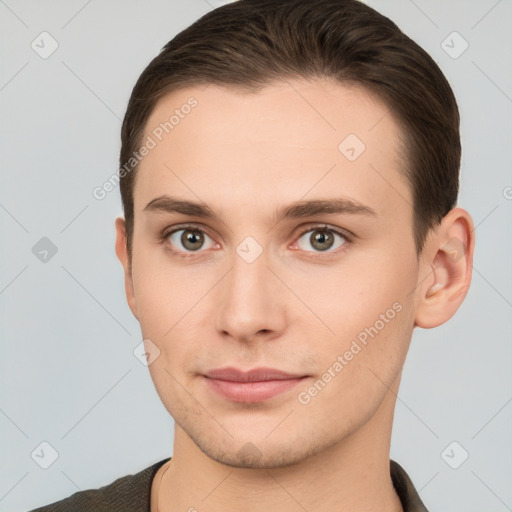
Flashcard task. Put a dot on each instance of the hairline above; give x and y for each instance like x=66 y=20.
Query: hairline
x=403 y=157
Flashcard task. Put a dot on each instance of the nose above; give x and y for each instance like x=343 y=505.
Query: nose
x=250 y=304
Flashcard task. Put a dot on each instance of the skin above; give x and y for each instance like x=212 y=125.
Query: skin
x=246 y=155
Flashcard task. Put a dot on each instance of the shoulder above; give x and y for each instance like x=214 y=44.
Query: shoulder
x=129 y=493
x=411 y=501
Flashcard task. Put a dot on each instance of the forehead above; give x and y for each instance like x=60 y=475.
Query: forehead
x=276 y=145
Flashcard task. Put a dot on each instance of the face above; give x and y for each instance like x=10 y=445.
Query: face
x=301 y=259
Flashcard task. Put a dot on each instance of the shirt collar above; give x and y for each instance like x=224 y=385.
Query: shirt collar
x=409 y=497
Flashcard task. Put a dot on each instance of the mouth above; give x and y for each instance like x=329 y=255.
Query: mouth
x=255 y=385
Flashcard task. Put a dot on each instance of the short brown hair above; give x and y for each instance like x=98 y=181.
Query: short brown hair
x=250 y=44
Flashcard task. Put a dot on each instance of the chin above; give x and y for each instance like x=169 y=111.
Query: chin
x=258 y=454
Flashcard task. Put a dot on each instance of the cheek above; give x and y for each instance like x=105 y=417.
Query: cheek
x=171 y=312
x=369 y=288
x=359 y=366
x=367 y=306
x=163 y=292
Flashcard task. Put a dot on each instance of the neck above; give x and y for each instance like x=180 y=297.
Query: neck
x=351 y=475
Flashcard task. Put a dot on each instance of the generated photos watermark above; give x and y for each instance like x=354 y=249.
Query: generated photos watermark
x=150 y=143
x=357 y=345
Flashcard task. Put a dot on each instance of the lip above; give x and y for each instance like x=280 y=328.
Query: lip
x=255 y=385
x=254 y=375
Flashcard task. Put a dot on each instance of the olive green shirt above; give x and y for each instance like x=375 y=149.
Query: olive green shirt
x=132 y=494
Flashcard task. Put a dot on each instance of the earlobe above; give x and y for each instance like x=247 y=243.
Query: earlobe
x=450 y=258
x=124 y=258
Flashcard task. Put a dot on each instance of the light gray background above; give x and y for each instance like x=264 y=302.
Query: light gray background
x=69 y=374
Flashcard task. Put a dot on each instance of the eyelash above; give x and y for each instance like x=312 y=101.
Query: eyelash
x=319 y=227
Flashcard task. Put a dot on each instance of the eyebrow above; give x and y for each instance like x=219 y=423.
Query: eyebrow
x=296 y=210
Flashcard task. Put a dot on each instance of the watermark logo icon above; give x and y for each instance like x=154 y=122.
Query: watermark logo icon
x=250 y=452
x=454 y=45
x=455 y=249
x=351 y=147
x=454 y=455
x=249 y=249
x=146 y=352
x=44 y=45
x=44 y=455
x=44 y=250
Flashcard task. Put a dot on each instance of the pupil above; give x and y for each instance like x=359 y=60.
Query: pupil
x=191 y=238
x=320 y=238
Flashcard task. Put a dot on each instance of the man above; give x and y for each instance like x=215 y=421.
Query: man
x=289 y=176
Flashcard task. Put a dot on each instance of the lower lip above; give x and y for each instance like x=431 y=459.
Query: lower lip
x=252 y=391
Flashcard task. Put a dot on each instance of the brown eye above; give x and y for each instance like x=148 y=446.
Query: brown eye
x=189 y=239
x=322 y=239
x=192 y=240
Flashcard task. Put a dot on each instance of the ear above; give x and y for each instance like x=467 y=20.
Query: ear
x=447 y=261
x=124 y=258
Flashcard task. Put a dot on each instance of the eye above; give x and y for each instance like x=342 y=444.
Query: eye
x=188 y=239
x=322 y=239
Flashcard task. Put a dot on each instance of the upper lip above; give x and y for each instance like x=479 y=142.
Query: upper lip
x=253 y=375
